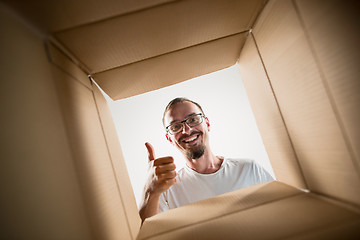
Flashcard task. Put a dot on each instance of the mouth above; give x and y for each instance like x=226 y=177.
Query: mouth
x=191 y=139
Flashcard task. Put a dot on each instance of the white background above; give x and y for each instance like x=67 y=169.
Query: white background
x=233 y=130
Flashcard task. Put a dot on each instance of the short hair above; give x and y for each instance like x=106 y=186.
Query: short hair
x=179 y=100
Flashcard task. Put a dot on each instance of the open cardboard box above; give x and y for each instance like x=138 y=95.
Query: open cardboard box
x=63 y=174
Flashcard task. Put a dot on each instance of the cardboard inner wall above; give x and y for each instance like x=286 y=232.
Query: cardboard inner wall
x=160 y=71
x=338 y=60
x=118 y=164
x=106 y=210
x=316 y=91
x=268 y=117
x=130 y=38
x=40 y=193
x=58 y=169
x=265 y=211
x=61 y=15
x=63 y=174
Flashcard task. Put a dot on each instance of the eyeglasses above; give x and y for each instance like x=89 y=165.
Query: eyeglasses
x=191 y=121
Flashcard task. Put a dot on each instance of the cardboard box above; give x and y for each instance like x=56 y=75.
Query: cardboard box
x=63 y=174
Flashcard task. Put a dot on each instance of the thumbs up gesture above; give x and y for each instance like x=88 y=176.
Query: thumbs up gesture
x=162 y=174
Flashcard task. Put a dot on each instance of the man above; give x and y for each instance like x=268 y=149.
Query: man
x=205 y=175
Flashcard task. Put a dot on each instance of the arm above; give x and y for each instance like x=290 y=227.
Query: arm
x=149 y=206
x=161 y=176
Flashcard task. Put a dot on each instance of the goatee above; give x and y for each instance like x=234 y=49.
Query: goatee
x=195 y=153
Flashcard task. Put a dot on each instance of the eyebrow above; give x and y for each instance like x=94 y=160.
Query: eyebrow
x=191 y=114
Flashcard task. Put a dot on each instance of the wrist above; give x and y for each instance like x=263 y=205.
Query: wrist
x=150 y=204
x=151 y=194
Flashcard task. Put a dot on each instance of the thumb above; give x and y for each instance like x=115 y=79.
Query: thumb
x=151 y=152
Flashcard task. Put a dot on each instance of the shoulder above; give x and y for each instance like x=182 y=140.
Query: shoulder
x=244 y=162
x=182 y=172
x=183 y=175
x=239 y=162
x=237 y=165
x=248 y=166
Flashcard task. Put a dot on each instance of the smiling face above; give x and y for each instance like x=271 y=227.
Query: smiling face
x=191 y=141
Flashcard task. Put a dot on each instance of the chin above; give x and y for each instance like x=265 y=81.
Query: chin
x=196 y=153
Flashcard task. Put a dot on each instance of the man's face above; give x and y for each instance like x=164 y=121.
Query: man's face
x=191 y=141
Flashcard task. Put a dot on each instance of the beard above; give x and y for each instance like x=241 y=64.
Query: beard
x=195 y=153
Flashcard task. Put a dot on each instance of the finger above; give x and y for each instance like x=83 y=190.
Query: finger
x=165 y=168
x=167 y=175
x=171 y=181
x=151 y=152
x=168 y=183
x=163 y=160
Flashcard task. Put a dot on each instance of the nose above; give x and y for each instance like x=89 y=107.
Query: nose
x=185 y=129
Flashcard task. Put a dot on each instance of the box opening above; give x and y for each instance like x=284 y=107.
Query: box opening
x=233 y=130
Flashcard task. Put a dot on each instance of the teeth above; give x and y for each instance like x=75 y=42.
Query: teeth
x=190 y=139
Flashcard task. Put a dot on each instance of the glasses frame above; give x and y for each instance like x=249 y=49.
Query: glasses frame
x=185 y=121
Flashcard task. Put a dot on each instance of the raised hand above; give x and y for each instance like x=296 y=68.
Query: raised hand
x=161 y=172
x=161 y=176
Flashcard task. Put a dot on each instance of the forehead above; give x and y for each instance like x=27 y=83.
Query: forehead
x=180 y=111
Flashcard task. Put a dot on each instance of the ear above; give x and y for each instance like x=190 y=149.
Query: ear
x=207 y=123
x=168 y=138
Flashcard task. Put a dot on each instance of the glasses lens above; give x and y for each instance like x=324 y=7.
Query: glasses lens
x=194 y=120
x=175 y=128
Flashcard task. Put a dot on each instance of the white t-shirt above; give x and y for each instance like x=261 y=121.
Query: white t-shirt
x=192 y=186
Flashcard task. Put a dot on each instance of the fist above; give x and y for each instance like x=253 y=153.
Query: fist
x=162 y=174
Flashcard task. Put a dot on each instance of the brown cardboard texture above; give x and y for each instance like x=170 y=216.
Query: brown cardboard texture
x=268 y=117
x=63 y=173
x=305 y=95
x=158 y=72
x=130 y=38
x=266 y=211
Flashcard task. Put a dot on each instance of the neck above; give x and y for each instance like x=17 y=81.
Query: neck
x=208 y=163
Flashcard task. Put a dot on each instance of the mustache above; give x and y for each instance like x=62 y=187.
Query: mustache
x=188 y=135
